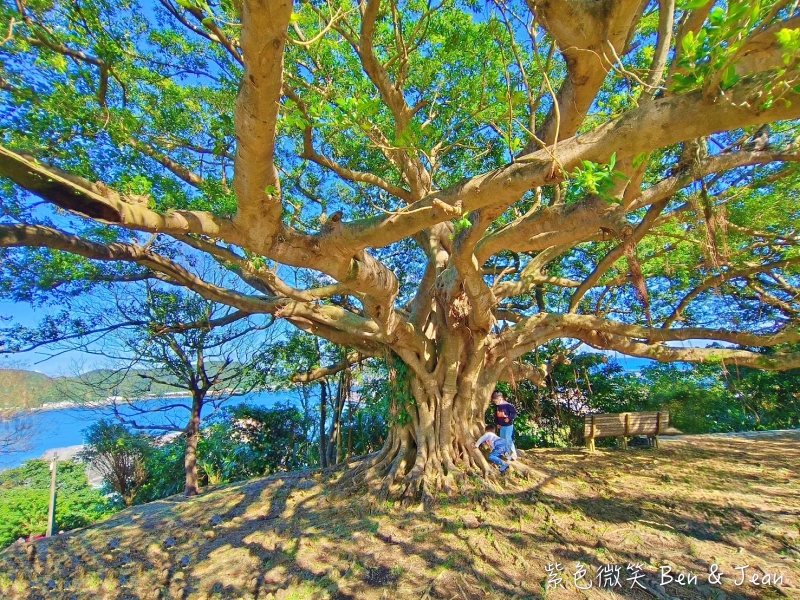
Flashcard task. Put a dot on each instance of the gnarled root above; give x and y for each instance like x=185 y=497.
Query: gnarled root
x=414 y=469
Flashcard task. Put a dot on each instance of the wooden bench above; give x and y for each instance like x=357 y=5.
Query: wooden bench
x=625 y=425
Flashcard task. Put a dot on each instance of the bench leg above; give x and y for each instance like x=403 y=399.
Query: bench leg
x=655 y=442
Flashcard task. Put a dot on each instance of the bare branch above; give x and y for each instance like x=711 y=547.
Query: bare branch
x=724 y=277
x=666 y=21
x=614 y=255
x=177 y=169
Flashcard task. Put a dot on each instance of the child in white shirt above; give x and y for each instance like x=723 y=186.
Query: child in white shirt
x=499 y=447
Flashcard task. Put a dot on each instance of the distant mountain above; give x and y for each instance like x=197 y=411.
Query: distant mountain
x=28 y=389
x=23 y=388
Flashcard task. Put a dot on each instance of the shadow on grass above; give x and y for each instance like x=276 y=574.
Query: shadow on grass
x=289 y=537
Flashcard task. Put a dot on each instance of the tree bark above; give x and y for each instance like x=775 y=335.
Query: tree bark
x=334 y=439
x=323 y=417
x=192 y=432
x=435 y=419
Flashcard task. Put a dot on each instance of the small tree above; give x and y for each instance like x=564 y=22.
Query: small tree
x=299 y=364
x=119 y=455
x=168 y=339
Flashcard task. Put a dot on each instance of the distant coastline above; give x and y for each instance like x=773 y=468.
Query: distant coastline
x=109 y=400
x=29 y=391
x=59 y=426
x=89 y=404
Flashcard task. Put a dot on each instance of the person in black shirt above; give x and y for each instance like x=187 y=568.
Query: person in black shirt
x=504 y=415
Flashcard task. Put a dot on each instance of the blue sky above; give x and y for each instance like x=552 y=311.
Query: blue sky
x=62 y=364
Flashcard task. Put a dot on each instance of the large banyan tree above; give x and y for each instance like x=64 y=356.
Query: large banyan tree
x=447 y=184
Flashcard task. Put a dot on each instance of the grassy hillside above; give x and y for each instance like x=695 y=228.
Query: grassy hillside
x=23 y=388
x=730 y=500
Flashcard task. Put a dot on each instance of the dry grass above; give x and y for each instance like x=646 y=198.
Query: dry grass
x=733 y=501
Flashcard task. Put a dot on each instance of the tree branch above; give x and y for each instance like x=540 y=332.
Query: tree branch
x=257 y=185
x=98 y=201
x=177 y=169
x=614 y=255
x=583 y=31
x=322 y=372
x=724 y=277
x=666 y=21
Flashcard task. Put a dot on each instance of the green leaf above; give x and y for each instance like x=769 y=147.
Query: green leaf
x=687 y=43
x=729 y=78
x=717 y=16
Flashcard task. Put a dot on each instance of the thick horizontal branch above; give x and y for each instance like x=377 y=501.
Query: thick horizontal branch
x=98 y=201
x=323 y=372
x=778 y=361
x=266 y=278
x=352 y=329
x=558 y=225
x=26 y=235
x=543 y=327
x=519 y=371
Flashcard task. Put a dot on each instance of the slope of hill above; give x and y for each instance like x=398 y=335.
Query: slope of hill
x=20 y=388
x=621 y=516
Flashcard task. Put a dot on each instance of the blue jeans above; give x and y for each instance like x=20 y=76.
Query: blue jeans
x=507 y=433
x=500 y=448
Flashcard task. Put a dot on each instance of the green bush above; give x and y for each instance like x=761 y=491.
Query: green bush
x=25 y=497
x=119 y=455
x=165 y=475
x=248 y=441
x=700 y=398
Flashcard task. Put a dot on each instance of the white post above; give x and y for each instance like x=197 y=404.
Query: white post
x=51 y=514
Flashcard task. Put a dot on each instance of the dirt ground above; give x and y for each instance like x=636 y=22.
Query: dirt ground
x=697 y=504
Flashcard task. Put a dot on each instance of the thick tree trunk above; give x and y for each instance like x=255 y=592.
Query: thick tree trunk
x=436 y=420
x=192 y=432
x=335 y=436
